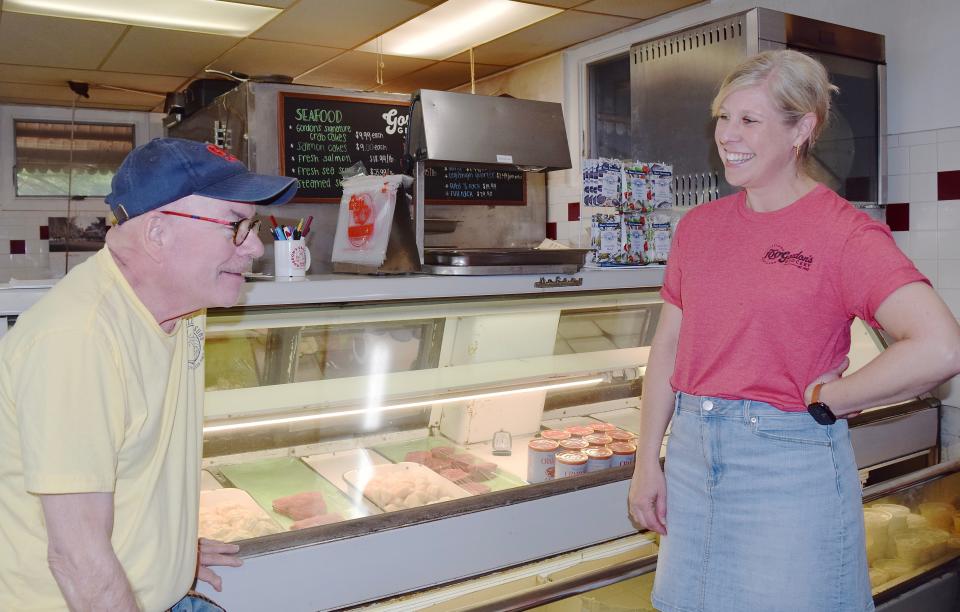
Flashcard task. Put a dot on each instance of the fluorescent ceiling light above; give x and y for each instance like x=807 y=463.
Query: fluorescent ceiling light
x=458 y=25
x=207 y=16
x=368 y=412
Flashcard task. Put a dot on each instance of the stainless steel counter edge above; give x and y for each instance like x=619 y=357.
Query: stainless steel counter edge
x=327 y=288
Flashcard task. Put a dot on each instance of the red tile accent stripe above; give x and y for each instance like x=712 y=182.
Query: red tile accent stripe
x=18 y=247
x=552 y=230
x=573 y=211
x=44 y=232
x=948 y=185
x=898 y=217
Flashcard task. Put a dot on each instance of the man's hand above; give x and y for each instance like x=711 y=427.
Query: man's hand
x=214 y=553
x=647 y=500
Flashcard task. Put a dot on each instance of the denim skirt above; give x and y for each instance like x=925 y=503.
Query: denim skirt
x=764 y=513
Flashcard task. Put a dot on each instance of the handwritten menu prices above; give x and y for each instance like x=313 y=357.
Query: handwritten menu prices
x=474 y=184
x=321 y=136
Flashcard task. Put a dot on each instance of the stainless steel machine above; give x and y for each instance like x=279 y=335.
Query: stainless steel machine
x=674 y=78
x=496 y=132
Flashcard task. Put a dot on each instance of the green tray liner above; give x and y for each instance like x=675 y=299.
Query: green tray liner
x=397 y=451
x=269 y=479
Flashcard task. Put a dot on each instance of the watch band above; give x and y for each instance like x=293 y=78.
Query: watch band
x=815 y=396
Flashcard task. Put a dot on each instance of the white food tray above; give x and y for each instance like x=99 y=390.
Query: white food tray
x=208 y=482
x=332 y=466
x=358 y=479
x=237 y=497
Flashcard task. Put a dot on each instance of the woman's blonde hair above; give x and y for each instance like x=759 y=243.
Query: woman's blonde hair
x=797 y=83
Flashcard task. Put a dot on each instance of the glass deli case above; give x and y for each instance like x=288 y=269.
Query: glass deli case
x=458 y=435
x=422 y=437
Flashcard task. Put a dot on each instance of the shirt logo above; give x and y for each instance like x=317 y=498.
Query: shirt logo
x=778 y=254
x=194 y=345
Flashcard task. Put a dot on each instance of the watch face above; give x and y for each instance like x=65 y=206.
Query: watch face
x=821 y=413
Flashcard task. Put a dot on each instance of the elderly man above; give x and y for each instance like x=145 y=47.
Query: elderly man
x=101 y=387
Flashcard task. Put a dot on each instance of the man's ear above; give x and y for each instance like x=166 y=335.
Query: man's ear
x=156 y=236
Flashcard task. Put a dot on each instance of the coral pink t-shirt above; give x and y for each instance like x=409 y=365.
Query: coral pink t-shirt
x=768 y=298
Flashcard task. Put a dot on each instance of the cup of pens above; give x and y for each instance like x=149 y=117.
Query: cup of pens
x=290 y=253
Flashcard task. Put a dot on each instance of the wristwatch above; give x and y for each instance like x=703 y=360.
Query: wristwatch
x=820 y=412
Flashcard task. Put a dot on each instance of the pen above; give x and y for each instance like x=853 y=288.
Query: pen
x=273 y=221
x=306 y=226
x=287 y=232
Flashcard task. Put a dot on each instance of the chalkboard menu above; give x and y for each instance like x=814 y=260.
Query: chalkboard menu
x=474 y=184
x=320 y=136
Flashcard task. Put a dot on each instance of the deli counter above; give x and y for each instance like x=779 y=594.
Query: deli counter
x=369 y=439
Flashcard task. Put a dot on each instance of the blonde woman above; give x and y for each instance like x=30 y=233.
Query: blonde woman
x=760 y=503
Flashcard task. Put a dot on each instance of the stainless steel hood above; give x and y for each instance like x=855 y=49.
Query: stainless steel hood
x=467 y=128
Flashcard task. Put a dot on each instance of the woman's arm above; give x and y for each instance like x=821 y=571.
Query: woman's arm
x=925 y=353
x=648 y=494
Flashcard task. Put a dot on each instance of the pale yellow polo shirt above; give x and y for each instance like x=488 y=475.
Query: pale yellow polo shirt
x=96 y=397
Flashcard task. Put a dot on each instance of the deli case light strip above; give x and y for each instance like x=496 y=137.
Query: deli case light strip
x=417 y=404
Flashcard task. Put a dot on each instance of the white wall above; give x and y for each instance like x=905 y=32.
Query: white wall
x=923 y=90
x=21 y=218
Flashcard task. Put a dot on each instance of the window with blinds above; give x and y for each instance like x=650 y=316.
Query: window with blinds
x=60 y=159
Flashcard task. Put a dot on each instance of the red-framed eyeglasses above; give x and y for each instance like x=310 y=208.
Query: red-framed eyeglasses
x=241 y=228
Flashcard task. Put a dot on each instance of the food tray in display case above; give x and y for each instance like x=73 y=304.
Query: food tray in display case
x=231 y=514
x=271 y=479
x=440 y=454
x=333 y=466
x=627 y=419
x=403 y=485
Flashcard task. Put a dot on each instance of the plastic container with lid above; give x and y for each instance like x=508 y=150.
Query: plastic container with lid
x=940 y=514
x=913 y=547
x=554 y=434
x=623 y=453
x=573 y=444
x=878 y=576
x=571 y=463
x=541 y=460
x=598 y=458
x=603 y=427
x=915 y=521
x=620 y=435
x=877 y=523
x=937 y=540
x=598 y=440
x=579 y=431
x=894 y=567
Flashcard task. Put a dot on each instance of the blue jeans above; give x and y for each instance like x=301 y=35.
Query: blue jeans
x=764 y=513
x=195 y=602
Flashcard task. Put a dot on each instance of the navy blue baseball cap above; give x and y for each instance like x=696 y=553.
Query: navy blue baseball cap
x=167 y=169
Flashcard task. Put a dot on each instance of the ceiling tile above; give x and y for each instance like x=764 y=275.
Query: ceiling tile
x=558 y=32
x=51 y=41
x=59 y=76
x=62 y=96
x=255 y=57
x=631 y=8
x=334 y=23
x=565 y=4
x=272 y=3
x=442 y=75
x=169 y=52
x=358 y=70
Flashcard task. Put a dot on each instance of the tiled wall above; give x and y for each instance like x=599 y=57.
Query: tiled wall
x=924 y=189
x=24 y=238
x=24 y=245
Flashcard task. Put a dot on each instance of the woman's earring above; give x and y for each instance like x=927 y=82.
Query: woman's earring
x=796 y=151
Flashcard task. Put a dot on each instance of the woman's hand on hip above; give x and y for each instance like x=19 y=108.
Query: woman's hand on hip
x=647 y=500
x=825 y=378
